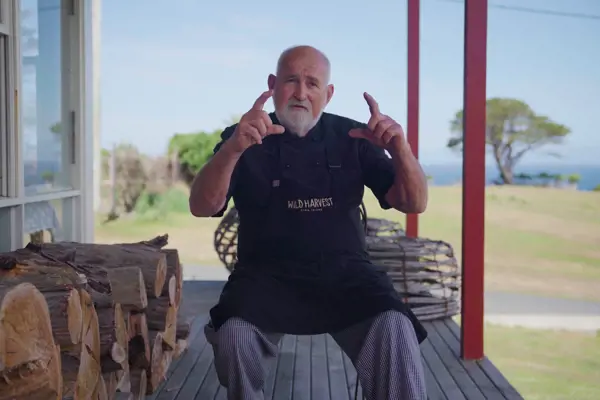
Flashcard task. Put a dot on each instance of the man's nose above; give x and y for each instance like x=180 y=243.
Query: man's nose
x=300 y=92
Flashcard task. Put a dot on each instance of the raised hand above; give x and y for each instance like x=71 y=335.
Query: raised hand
x=382 y=129
x=254 y=126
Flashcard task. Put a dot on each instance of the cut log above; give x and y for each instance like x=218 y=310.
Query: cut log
x=24 y=266
x=139 y=384
x=101 y=392
x=128 y=288
x=181 y=348
x=175 y=269
x=74 y=320
x=65 y=316
x=87 y=256
x=110 y=380
x=29 y=359
x=181 y=335
x=162 y=356
x=112 y=350
x=173 y=293
x=158 y=242
x=162 y=316
x=89 y=357
x=112 y=334
x=139 y=342
x=123 y=380
x=64 y=307
x=122 y=335
x=183 y=329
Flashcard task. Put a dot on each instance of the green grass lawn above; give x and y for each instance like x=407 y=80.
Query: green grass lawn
x=545 y=364
x=538 y=240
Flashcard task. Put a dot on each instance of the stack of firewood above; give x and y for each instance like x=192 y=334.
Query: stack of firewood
x=86 y=321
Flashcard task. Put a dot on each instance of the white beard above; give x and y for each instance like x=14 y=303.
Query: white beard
x=298 y=121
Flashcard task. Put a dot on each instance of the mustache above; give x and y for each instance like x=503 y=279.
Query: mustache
x=295 y=103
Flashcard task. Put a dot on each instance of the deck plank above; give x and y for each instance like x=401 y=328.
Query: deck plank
x=314 y=367
x=453 y=366
x=319 y=386
x=440 y=372
x=198 y=376
x=338 y=385
x=210 y=386
x=487 y=387
x=194 y=331
x=354 y=390
x=284 y=378
x=272 y=374
x=179 y=372
x=434 y=390
x=490 y=370
x=302 y=368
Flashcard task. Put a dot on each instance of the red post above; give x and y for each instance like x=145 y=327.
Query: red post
x=412 y=112
x=473 y=213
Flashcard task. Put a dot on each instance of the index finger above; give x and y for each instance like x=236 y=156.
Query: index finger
x=262 y=99
x=373 y=106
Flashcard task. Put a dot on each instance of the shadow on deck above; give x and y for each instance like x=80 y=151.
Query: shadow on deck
x=314 y=367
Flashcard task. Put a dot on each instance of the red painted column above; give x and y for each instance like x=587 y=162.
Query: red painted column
x=473 y=213
x=412 y=112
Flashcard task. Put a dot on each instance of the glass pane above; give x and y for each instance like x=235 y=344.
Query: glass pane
x=46 y=139
x=8 y=220
x=49 y=221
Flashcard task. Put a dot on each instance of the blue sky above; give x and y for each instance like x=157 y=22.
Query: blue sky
x=194 y=65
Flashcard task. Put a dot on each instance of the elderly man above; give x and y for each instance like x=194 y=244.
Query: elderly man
x=297 y=178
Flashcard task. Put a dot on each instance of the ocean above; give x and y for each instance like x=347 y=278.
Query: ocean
x=451 y=174
x=442 y=174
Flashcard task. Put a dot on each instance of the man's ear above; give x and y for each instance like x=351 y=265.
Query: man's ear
x=330 y=91
x=271 y=81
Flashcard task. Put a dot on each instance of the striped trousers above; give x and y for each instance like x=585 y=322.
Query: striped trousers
x=384 y=350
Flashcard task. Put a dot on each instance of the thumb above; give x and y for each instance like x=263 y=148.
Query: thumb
x=276 y=129
x=358 y=133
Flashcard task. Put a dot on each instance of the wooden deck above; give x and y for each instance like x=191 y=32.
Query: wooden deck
x=314 y=367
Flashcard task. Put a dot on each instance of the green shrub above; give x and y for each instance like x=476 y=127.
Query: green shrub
x=155 y=206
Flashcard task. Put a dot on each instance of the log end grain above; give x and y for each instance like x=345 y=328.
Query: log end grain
x=30 y=359
x=74 y=316
x=25 y=326
x=161 y=275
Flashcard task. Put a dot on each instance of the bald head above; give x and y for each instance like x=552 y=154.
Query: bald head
x=301 y=88
x=291 y=54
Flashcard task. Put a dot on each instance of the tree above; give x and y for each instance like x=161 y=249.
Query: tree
x=513 y=129
x=131 y=177
x=193 y=151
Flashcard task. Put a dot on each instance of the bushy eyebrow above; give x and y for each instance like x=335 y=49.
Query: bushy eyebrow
x=311 y=78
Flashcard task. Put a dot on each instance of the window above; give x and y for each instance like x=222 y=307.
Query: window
x=40 y=95
x=50 y=221
x=45 y=104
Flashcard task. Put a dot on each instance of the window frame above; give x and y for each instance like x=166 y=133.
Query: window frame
x=75 y=220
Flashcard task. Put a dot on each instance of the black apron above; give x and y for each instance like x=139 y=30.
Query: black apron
x=302 y=264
